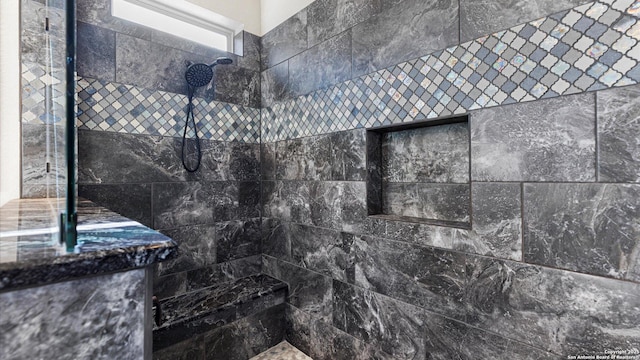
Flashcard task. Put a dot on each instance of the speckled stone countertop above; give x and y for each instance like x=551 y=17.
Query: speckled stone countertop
x=30 y=253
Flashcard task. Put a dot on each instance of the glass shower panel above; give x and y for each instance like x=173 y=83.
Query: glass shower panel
x=34 y=168
x=43 y=100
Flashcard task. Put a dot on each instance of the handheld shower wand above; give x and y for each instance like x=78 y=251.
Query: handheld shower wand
x=197 y=75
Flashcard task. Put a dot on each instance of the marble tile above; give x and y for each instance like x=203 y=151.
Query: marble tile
x=325 y=200
x=179 y=43
x=249 y=197
x=348 y=155
x=563 y=312
x=285 y=41
x=34 y=40
x=131 y=200
x=618 y=126
x=96 y=52
x=404 y=32
x=286 y=200
x=42 y=147
x=329 y=252
x=136 y=158
x=426 y=277
x=268 y=161
x=238 y=239
x=187 y=350
x=396 y=327
x=237 y=85
x=188 y=315
x=337 y=205
x=193 y=203
x=322 y=341
x=450 y=339
x=247 y=337
x=496 y=226
x=321 y=66
x=478 y=18
x=243 y=161
x=223 y=272
x=406 y=331
x=353 y=211
x=353 y=207
x=385 y=5
x=419 y=233
x=276 y=238
x=308 y=291
x=448 y=202
x=547 y=140
x=327 y=18
x=506 y=67
x=275 y=84
x=98 y=12
x=197 y=248
x=374 y=173
x=170 y=285
x=429 y=154
x=590 y=228
x=187 y=310
x=54 y=4
x=104 y=319
x=42 y=191
x=251 y=49
x=144 y=158
x=153 y=66
x=304 y=159
x=282 y=351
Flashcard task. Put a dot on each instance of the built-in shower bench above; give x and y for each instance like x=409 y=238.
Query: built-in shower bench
x=184 y=317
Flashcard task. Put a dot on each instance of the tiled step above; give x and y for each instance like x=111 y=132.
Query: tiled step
x=282 y=351
x=194 y=313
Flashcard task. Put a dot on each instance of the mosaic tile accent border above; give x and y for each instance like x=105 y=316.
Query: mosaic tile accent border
x=591 y=47
x=107 y=106
x=36 y=82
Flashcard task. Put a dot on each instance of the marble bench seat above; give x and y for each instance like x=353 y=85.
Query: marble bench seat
x=187 y=315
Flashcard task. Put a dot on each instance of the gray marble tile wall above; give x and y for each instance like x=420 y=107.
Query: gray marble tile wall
x=332 y=41
x=115 y=50
x=541 y=233
x=213 y=214
x=587 y=48
x=381 y=33
x=132 y=100
x=554 y=216
x=107 y=321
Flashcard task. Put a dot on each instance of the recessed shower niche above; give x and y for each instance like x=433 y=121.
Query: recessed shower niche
x=419 y=172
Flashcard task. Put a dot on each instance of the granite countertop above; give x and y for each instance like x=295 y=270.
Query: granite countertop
x=30 y=253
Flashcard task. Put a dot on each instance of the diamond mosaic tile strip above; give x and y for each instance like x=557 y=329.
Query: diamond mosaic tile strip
x=591 y=47
x=115 y=107
x=43 y=94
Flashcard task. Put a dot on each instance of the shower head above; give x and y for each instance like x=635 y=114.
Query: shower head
x=199 y=75
x=222 y=61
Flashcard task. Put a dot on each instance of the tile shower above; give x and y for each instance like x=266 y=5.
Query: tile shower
x=549 y=263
